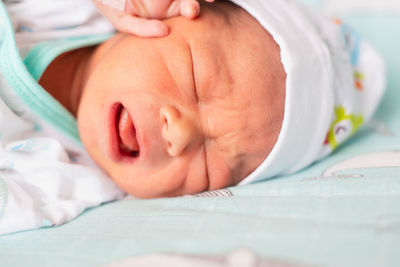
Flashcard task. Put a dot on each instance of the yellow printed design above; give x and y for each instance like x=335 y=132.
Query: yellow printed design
x=342 y=127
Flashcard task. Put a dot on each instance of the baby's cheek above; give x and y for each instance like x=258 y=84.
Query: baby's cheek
x=87 y=134
x=93 y=134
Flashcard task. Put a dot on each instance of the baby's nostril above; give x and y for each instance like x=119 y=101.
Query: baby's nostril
x=166 y=123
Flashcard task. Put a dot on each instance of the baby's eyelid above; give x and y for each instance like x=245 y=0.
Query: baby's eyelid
x=196 y=95
x=195 y=87
x=207 y=172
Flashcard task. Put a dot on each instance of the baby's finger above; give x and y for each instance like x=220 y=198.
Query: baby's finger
x=186 y=8
x=141 y=26
x=189 y=8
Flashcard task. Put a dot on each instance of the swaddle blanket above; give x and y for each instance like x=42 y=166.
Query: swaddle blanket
x=46 y=177
x=335 y=81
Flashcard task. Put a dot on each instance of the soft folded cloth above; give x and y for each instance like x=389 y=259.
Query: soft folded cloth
x=335 y=81
x=46 y=176
x=41 y=183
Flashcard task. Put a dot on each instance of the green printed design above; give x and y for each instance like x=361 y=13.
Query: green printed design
x=345 y=122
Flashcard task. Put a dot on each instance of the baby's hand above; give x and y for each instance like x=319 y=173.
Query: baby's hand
x=143 y=17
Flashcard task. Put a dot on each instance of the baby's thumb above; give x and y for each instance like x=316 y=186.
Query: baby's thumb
x=190 y=8
x=187 y=8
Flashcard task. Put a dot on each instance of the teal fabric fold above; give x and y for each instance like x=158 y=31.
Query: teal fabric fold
x=22 y=76
x=40 y=56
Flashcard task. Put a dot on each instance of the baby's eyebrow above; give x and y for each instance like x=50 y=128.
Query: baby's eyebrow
x=206 y=167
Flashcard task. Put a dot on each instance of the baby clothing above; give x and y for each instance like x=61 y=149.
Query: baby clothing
x=46 y=176
x=334 y=83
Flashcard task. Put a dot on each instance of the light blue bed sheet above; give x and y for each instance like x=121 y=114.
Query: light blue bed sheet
x=342 y=211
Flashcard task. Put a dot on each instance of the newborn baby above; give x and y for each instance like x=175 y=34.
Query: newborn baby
x=196 y=110
x=218 y=99
x=248 y=90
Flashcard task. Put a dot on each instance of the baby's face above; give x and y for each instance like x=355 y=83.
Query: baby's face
x=197 y=110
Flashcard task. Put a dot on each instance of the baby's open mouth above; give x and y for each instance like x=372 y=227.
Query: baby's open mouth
x=127 y=140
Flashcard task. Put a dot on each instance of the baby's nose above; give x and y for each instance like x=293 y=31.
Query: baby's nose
x=179 y=130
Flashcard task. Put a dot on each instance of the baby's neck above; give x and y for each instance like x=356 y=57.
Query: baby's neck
x=66 y=76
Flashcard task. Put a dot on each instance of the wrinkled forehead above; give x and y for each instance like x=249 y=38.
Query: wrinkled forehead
x=245 y=56
x=242 y=89
x=224 y=35
x=236 y=63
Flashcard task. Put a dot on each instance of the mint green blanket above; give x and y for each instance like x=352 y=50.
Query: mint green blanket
x=342 y=211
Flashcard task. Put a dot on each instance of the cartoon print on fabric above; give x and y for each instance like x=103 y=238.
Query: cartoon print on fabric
x=362 y=166
x=358 y=80
x=351 y=41
x=345 y=125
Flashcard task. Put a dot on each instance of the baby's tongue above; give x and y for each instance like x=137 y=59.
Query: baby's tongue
x=127 y=132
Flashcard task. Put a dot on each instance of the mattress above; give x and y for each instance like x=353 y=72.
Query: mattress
x=341 y=211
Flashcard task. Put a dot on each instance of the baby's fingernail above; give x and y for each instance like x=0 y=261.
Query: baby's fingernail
x=163 y=31
x=158 y=28
x=153 y=29
x=159 y=32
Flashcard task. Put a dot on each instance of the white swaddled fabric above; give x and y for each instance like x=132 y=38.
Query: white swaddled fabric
x=46 y=177
x=335 y=81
